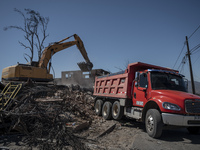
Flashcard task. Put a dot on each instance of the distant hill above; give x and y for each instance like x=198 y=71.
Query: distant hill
x=197 y=87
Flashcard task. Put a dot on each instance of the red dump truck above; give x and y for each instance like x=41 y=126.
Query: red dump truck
x=152 y=94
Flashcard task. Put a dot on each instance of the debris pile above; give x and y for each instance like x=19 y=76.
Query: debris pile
x=50 y=116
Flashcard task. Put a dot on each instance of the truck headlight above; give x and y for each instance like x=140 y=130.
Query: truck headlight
x=171 y=106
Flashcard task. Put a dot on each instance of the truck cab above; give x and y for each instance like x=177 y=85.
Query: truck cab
x=152 y=94
x=151 y=83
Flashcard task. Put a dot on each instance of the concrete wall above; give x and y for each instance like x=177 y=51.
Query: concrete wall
x=84 y=79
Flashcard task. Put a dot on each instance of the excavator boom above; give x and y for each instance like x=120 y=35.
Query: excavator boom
x=82 y=65
x=61 y=45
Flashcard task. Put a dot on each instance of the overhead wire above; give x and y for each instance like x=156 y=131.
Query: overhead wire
x=194 y=32
x=179 y=54
x=195 y=48
x=192 y=51
x=182 y=62
x=195 y=51
x=182 y=69
x=196 y=60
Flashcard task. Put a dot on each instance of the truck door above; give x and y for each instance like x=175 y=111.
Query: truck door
x=140 y=90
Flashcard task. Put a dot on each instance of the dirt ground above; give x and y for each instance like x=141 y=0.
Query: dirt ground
x=120 y=135
x=131 y=135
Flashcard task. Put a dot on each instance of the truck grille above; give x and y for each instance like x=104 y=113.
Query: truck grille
x=192 y=106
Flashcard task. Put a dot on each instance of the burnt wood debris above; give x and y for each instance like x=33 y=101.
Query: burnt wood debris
x=49 y=117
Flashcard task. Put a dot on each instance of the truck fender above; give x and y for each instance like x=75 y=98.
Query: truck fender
x=152 y=104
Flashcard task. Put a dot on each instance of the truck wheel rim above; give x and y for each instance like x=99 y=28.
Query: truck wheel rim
x=150 y=124
x=105 y=111
x=97 y=107
x=115 y=110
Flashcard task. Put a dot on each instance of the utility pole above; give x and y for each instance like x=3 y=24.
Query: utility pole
x=190 y=66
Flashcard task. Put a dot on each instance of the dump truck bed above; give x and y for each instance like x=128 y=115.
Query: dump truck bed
x=119 y=85
x=111 y=86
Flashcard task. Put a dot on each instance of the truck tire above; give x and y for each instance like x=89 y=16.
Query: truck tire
x=117 y=110
x=98 y=107
x=106 y=110
x=193 y=130
x=153 y=123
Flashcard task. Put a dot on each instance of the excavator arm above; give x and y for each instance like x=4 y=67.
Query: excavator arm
x=61 y=45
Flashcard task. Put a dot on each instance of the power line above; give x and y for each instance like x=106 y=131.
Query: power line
x=194 y=31
x=179 y=55
x=190 y=66
x=194 y=71
x=194 y=48
x=184 y=62
x=196 y=60
x=182 y=69
x=184 y=59
x=195 y=51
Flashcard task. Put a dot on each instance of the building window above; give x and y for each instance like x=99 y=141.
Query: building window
x=69 y=75
x=86 y=75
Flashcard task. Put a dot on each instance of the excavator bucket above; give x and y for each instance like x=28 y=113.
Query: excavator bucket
x=85 y=66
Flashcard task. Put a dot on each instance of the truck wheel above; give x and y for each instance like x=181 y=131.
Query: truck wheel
x=117 y=110
x=106 y=110
x=153 y=123
x=98 y=107
x=193 y=130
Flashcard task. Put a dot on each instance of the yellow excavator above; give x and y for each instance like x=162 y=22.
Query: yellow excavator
x=40 y=71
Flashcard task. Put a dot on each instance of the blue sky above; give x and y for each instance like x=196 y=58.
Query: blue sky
x=114 y=32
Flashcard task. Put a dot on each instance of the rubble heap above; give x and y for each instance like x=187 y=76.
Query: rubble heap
x=49 y=116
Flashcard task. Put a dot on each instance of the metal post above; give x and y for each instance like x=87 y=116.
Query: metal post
x=190 y=66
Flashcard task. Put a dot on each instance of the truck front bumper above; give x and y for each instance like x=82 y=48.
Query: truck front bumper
x=180 y=120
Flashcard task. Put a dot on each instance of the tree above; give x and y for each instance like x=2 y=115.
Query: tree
x=34 y=28
x=125 y=66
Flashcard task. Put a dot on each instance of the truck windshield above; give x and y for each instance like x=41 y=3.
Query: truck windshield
x=167 y=81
